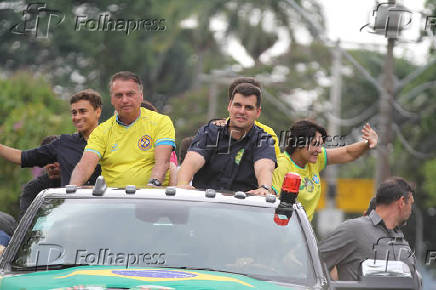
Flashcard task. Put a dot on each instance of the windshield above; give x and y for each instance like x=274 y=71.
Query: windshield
x=157 y=233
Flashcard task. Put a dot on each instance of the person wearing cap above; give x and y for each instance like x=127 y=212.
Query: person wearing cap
x=239 y=156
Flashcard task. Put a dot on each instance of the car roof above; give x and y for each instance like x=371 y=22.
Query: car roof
x=165 y=193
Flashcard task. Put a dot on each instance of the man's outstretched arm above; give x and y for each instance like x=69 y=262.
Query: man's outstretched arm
x=10 y=154
x=83 y=170
x=192 y=163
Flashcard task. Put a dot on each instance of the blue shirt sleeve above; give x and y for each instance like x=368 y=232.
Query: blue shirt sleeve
x=40 y=156
x=202 y=142
x=265 y=148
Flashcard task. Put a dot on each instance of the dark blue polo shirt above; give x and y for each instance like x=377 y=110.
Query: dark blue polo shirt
x=67 y=150
x=230 y=163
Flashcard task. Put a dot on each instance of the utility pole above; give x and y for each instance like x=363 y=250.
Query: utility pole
x=333 y=124
x=383 y=170
x=391 y=25
x=330 y=217
x=213 y=90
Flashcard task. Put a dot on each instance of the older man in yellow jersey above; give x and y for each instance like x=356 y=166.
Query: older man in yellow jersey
x=134 y=145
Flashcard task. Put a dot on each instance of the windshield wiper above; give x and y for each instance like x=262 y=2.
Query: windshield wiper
x=45 y=267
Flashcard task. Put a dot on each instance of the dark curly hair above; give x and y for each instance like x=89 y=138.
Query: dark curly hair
x=301 y=134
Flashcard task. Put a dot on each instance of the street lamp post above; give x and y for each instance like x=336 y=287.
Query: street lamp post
x=389 y=21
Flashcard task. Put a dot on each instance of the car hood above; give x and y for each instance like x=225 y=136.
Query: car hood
x=103 y=277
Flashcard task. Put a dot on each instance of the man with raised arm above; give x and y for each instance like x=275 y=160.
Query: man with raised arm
x=68 y=148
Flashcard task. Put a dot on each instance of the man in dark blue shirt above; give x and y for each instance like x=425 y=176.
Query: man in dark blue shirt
x=237 y=156
x=68 y=149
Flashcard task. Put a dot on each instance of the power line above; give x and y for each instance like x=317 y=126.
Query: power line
x=407 y=146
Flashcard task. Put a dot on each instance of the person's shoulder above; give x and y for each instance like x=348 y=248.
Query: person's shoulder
x=209 y=130
x=155 y=117
x=356 y=224
x=109 y=122
x=265 y=128
x=261 y=135
x=106 y=125
x=68 y=137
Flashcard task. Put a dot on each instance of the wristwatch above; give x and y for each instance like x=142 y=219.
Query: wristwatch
x=265 y=187
x=155 y=182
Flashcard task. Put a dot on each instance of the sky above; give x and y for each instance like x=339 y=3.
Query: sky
x=344 y=19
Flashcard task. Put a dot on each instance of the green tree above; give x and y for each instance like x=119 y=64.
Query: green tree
x=30 y=111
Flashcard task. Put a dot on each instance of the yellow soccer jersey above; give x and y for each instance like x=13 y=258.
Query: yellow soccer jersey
x=310 y=188
x=127 y=152
x=273 y=134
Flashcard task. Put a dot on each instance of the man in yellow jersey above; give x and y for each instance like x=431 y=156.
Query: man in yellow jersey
x=134 y=145
x=304 y=154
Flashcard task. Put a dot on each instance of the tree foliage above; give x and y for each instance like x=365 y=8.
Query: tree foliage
x=30 y=111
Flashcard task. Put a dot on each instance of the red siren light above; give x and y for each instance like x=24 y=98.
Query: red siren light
x=290 y=187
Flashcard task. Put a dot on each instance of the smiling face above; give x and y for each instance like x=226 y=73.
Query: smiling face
x=310 y=153
x=126 y=97
x=243 y=111
x=84 y=117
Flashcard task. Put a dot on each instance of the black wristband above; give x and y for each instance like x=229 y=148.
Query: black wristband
x=265 y=187
x=155 y=182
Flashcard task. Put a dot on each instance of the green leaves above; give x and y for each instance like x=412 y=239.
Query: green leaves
x=30 y=111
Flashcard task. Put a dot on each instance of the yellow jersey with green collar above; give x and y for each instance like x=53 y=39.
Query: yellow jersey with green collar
x=310 y=188
x=127 y=152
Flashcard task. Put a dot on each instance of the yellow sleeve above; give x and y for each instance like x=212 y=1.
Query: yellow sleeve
x=97 y=141
x=321 y=163
x=165 y=134
x=280 y=172
x=273 y=134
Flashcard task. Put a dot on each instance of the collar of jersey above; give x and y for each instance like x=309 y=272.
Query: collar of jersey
x=289 y=157
x=127 y=126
